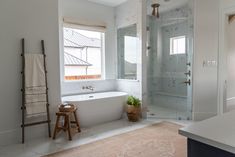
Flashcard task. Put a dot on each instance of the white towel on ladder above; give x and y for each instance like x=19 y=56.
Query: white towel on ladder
x=35 y=85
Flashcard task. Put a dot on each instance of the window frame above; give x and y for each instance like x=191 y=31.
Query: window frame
x=103 y=37
x=172 y=39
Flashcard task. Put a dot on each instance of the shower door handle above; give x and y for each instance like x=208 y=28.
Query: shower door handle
x=188 y=82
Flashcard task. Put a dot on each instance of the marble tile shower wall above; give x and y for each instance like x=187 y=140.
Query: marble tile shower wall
x=177 y=103
x=166 y=72
x=173 y=66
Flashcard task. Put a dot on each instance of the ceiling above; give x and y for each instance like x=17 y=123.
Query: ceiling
x=166 y=5
x=112 y=3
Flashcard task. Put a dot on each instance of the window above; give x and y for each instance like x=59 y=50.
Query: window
x=83 y=54
x=130 y=57
x=127 y=52
x=178 y=45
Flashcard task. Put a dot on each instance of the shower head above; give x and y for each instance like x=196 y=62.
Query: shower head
x=155 y=11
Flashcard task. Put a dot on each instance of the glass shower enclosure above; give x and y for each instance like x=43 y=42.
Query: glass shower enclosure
x=170 y=57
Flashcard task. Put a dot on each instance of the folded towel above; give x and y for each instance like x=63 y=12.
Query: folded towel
x=35 y=90
x=35 y=98
x=34 y=70
x=35 y=84
x=35 y=109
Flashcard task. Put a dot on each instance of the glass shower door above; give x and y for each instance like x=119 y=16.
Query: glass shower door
x=170 y=54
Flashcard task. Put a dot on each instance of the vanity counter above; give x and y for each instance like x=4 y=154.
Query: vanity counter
x=214 y=133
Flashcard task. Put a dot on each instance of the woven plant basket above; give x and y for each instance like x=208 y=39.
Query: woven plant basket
x=133 y=113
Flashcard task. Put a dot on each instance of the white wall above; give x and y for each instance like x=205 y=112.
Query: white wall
x=127 y=14
x=74 y=87
x=206 y=49
x=84 y=10
x=225 y=4
x=33 y=20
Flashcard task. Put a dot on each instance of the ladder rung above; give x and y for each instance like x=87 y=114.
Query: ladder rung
x=36 y=123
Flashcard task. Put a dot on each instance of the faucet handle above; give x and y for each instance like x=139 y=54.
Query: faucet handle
x=88 y=87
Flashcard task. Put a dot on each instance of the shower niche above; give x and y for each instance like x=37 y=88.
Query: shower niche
x=170 y=56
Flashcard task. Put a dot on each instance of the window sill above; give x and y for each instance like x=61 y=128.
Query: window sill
x=78 y=81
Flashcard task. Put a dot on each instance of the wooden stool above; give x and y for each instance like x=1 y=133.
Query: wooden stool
x=66 y=126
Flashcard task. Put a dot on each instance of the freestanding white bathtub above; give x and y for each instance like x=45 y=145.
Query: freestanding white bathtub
x=97 y=108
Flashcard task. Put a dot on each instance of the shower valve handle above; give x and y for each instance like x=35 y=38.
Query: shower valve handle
x=188 y=73
x=188 y=82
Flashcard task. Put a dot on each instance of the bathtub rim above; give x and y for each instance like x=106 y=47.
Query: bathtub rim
x=94 y=98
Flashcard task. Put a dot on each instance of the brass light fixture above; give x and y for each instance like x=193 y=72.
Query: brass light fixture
x=155 y=11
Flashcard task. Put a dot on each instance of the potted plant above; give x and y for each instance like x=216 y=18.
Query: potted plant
x=133 y=108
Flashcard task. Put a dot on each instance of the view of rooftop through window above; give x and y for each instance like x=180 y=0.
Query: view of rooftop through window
x=82 y=54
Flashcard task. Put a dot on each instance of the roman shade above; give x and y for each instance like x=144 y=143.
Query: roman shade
x=84 y=24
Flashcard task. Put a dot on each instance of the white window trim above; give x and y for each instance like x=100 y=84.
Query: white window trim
x=172 y=46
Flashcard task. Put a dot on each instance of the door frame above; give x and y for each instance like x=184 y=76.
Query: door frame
x=222 y=58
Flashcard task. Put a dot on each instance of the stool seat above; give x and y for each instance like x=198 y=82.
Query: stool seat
x=67 y=122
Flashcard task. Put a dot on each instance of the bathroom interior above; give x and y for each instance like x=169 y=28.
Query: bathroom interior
x=98 y=52
x=169 y=60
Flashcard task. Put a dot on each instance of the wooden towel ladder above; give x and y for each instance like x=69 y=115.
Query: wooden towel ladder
x=23 y=108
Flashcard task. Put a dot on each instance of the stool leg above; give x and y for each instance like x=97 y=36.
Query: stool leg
x=76 y=120
x=68 y=125
x=65 y=127
x=56 y=126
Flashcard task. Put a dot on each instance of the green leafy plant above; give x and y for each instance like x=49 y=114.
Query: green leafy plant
x=131 y=100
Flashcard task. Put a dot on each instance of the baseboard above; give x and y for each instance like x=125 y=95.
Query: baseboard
x=13 y=136
x=10 y=137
